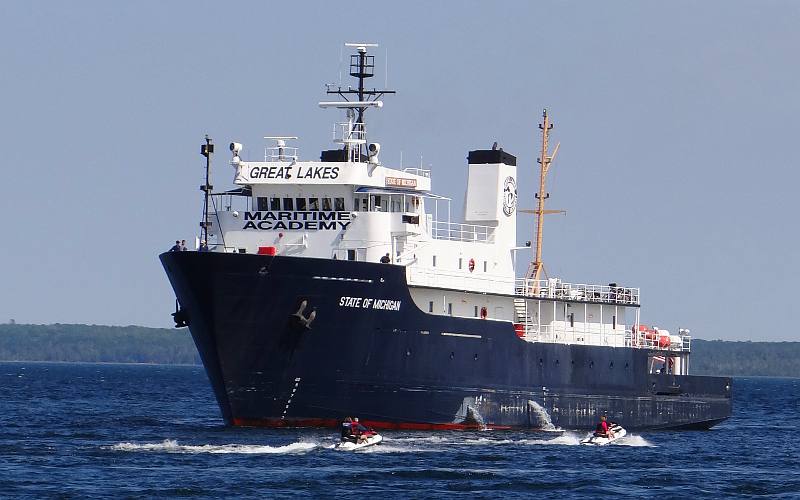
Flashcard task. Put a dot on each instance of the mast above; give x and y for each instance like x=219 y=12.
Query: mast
x=206 y=150
x=362 y=66
x=537 y=266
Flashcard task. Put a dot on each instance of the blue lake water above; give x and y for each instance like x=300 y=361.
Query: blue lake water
x=77 y=430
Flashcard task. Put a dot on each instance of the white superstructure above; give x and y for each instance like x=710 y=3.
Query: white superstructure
x=349 y=205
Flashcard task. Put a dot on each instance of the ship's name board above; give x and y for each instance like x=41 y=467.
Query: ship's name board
x=370 y=303
x=294 y=172
x=303 y=220
x=401 y=182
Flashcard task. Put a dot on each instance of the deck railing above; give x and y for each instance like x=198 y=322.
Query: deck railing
x=417 y=171
x=461 y=232
x=557 y=334
x=556 y=289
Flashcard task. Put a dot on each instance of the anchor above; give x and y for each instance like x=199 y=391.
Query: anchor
x=180 y=317
x=300 y=316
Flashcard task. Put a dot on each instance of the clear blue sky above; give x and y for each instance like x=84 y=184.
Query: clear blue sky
x=678 y=124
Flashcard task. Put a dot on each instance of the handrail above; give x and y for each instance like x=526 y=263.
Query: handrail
x=461 y=232
x=558 y=334
x=417 y=171
x=556 y=289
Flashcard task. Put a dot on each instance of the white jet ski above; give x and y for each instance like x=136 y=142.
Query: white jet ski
x=616 y=431
x=372 y=440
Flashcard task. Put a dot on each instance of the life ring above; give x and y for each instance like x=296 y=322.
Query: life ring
x=484 y=313
x=471 y=265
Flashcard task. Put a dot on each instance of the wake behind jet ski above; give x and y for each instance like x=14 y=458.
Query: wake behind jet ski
x=356 y=436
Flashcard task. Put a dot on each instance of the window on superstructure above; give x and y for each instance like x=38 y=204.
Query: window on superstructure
x=485 y=265
x=430 y=306
x=326 y=204
x=263 y=203
x=355 y=204
x=313 y=204
x=450 y=308
x=572 y=320
x=288 y=204
x=397 y=203
x=614 y=322
x=274 y=204
x=351 y=254
x=434 y=261
x=301 y=204
x=476 y=311
x=338 y=204
x=460 y=262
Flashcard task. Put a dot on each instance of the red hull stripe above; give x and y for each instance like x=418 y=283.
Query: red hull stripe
x=375 y=424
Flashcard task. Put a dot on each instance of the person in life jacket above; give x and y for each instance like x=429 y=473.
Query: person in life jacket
x=602 y=429
x=360 y=432
x=347 y=431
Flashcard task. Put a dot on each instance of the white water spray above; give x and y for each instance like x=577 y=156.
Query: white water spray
x=542 y=416
x=172 y=446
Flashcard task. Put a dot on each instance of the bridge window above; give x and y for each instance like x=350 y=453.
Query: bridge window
x=263 y=204
x=326 y=204
x=274 y=204
x=397 y=203
x=301 y=204
x=338 y=204
x=313 y=204
x=288 y=204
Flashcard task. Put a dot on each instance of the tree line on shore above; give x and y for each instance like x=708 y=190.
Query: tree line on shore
x=137 y=344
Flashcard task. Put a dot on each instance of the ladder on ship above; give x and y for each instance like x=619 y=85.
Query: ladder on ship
x=523 y=317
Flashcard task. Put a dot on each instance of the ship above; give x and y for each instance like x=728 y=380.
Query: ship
x=342 y=287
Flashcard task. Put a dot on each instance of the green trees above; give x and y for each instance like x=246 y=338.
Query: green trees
x=95 y=343
x=768 y=359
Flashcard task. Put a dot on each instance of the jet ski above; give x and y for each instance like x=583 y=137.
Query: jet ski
x=371 y=440
x=617 y=432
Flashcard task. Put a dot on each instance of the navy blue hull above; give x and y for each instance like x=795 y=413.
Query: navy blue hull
x=394 y=368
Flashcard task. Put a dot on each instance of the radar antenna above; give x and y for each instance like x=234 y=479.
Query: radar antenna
x=362 y=66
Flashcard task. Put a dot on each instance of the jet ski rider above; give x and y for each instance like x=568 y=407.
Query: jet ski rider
x=602 y=429
x=347 y=431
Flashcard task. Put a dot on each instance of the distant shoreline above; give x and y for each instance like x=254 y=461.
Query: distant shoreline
x=138 y=345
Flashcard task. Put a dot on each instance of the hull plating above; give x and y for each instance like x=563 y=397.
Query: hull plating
x=392 y=367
